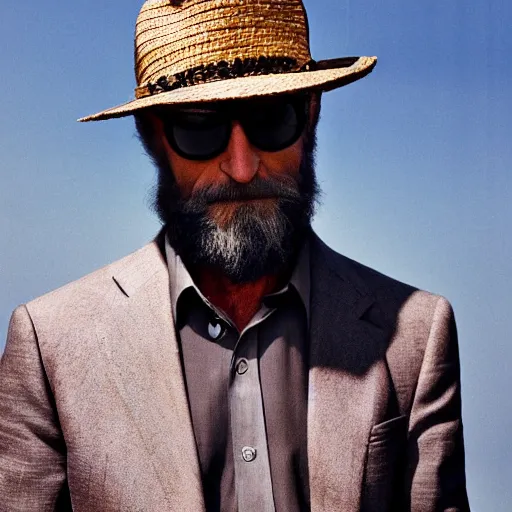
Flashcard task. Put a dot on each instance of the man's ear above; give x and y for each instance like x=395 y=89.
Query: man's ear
x=149 y=128
x=314 y=108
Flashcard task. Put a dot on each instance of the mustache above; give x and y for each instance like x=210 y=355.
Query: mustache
x=284 y=188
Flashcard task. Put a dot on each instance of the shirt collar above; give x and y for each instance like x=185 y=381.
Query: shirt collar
x=180 y=279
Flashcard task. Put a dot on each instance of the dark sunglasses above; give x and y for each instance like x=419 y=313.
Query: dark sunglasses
x=202 y=133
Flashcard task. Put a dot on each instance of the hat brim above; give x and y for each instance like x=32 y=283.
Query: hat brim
x=248 y=87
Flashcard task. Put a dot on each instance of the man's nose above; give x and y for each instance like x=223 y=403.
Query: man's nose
x=240 y=161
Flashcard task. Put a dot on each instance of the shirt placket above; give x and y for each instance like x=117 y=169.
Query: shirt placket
x=249 y=438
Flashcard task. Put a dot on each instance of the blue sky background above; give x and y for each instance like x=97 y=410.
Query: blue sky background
x=414 y=162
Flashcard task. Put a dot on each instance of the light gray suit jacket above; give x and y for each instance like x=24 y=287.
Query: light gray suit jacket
x=93 y=406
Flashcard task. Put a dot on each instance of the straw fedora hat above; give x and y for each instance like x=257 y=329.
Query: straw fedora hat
x=191 y=51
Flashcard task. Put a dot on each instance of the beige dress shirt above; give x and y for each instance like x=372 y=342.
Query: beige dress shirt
x=247 y=393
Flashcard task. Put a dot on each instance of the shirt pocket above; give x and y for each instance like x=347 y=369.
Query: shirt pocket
x=384 y=464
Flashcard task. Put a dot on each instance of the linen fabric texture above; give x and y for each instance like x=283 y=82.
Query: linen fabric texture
x=94 y=411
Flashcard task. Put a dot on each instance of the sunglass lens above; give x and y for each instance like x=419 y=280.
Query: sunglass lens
x=198 y=135
x=276 y=125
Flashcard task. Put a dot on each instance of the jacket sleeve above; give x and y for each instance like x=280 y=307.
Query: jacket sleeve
x=32 y=450
x=435 y=474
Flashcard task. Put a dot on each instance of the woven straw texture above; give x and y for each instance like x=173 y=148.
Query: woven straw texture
x=170 y=39
x=174 y=36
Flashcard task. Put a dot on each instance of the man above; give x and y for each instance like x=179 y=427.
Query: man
x=236 y=362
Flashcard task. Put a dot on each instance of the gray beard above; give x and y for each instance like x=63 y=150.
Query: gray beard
x=250 y=245
x=241 y=235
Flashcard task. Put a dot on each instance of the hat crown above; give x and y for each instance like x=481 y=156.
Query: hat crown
x=173 y=36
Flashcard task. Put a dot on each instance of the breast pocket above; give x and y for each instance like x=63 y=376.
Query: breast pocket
x=384 y=464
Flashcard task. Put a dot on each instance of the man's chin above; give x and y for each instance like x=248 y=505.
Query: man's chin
x=223 y=213
x=244 y=248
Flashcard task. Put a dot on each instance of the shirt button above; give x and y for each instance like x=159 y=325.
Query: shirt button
x=242 y=367
x=248 y=453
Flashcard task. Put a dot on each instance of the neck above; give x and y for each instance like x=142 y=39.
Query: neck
x=240 y=301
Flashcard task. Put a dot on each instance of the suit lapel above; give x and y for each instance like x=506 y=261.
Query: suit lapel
x=146 y=369
x=347 y=380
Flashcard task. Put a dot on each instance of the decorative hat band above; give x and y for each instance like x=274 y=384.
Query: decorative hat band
x=223 y=70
